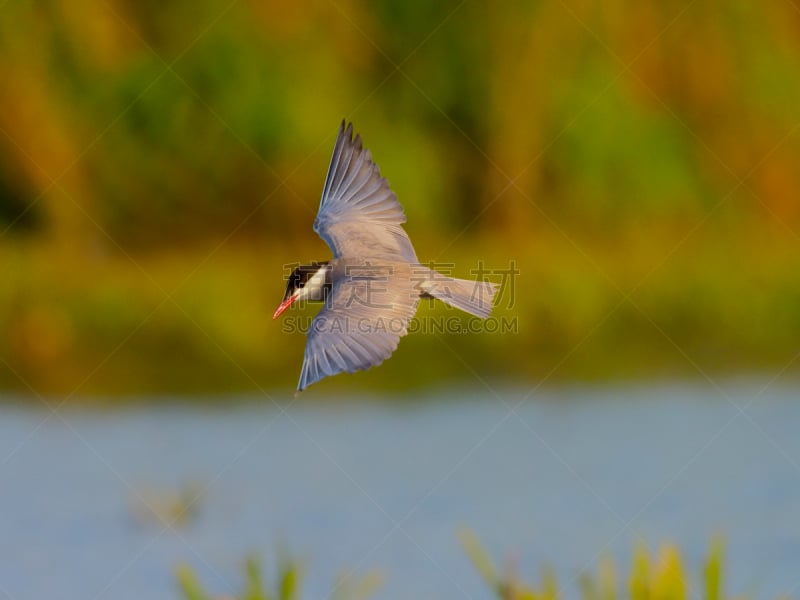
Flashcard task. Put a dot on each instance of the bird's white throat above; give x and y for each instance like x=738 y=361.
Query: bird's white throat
x=314 y=289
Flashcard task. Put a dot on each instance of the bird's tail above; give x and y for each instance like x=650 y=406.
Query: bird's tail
x=473 y=297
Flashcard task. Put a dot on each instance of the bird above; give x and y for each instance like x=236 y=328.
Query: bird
x=374 y=282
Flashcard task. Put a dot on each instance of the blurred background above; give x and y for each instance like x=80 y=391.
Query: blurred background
x=160 y=164
x=632 y=165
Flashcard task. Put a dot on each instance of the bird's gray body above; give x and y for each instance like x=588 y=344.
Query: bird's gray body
x=374 y=281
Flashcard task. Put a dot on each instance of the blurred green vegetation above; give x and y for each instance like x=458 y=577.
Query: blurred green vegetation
x=286 y=587
x=159 y=164
x=659 y=576
x=286 y=584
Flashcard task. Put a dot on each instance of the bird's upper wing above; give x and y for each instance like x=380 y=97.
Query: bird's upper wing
x=366 y=314
x=359 y=215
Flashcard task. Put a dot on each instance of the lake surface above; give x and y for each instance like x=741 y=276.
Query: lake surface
x=562 y=479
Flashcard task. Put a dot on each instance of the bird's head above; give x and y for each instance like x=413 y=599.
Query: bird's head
x=307 y=282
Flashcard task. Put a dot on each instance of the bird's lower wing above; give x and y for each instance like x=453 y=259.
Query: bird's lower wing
x=359 y=327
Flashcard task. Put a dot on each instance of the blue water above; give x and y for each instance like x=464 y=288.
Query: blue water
x=574 y=474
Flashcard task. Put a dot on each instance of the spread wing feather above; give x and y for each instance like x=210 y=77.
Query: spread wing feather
x=359 y=215
x=360 y=325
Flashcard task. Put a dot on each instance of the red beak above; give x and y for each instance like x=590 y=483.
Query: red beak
x=283 y=306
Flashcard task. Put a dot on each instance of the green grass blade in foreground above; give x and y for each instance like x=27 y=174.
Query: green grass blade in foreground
x=189 y=585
